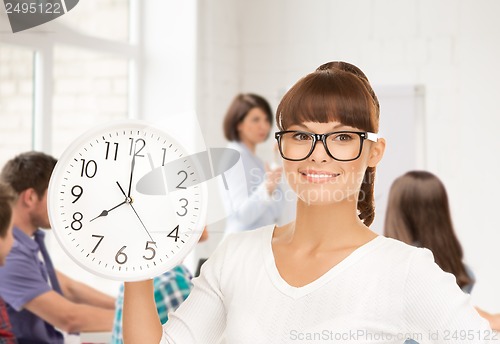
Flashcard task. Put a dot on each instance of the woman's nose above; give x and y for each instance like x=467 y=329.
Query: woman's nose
x=319 y=153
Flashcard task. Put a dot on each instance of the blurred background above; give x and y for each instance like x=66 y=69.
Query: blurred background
x=433 y=64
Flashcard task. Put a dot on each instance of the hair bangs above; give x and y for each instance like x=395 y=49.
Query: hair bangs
x=326 y=96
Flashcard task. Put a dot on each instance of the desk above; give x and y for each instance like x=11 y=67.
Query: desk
x=95 y=337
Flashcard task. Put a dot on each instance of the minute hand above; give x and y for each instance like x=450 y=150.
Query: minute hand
x=131 y=176
x=130 y=203
x=142 y=224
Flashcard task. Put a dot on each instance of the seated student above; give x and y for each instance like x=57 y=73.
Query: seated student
x=6 y=241
x=170 y=290
x=41 y=300
x=418 y=214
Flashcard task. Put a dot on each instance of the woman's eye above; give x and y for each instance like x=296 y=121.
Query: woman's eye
x=301 y=137
x=343 y=137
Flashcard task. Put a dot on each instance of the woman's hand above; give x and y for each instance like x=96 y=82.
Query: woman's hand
x=273 y=178
x=493 y=319
x=141 y=323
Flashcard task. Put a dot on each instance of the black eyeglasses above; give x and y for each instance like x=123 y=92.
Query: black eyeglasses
x=295 y=145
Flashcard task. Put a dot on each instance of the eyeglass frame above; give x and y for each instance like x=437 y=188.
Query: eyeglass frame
x=363 y=135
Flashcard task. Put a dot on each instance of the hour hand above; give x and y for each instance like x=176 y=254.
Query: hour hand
x=106 y=212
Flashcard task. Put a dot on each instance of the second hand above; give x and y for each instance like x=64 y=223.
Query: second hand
x=129 y=200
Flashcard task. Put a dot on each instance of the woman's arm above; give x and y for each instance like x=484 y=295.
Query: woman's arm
x=141 y=324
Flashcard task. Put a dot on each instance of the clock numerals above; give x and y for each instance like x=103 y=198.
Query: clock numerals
x=76 y=225
x=89 y=168
x=174 y=233
x=184 y=207
x=99 y=242
x=137 y=147
x=77 y=191
x=107 y=150
x=151 y=249
x=179 y=186
x=121 y=257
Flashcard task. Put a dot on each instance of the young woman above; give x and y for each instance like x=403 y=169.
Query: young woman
x=418 y=213
x=325 y=277
x=259 y=201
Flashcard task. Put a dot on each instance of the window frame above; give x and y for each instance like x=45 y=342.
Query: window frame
x=43 y=40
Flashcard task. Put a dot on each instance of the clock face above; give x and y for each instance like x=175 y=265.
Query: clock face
x=103 y=220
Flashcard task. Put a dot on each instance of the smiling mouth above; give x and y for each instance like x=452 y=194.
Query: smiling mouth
x=319 y=177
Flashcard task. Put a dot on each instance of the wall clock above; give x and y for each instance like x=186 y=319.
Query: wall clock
x=110 y=226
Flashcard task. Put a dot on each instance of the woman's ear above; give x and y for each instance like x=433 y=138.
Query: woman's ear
x=376 y=152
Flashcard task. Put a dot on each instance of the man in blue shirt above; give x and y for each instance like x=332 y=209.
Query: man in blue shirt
x=41 y=300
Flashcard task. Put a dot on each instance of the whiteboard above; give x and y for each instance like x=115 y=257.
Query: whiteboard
x=402 y=124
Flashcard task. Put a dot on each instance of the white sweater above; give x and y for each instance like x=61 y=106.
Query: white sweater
x=384 y=292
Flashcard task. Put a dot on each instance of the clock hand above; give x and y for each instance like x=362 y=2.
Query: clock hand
x=129 y=200
x=142 y=223
x=131 y=175
x=123 y=191
x=106 y=212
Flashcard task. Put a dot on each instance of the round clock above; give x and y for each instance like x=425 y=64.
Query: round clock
x=114 y=220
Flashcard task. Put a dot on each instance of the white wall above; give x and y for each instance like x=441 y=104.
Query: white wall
x=449 y=47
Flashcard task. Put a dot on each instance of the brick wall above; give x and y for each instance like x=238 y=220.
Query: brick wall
x=16 y=94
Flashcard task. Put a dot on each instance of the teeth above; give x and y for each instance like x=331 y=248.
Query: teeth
x=319 y=175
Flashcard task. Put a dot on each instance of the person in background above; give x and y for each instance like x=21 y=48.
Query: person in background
x=6 y=241
x=418 y=213
x=258 y=200
x=326 y=270
x=170 y=290
x=41 y=300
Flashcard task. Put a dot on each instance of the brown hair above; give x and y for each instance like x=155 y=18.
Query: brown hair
x=239 y=108
x=29 y=170
x=6 y=201
x=418 y=213
x=336 y=91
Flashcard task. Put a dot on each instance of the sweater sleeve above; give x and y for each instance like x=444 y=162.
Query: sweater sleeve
x=436 y=308
x=201 y=318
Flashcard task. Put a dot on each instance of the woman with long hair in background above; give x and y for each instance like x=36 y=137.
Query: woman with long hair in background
x=418 y=213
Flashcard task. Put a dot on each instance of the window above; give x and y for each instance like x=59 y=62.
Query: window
x=89 y=88
x=57 y=81
x=108 y=19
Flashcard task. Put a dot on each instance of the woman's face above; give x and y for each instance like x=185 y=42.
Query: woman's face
x=255 y=127
x=320 y=179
